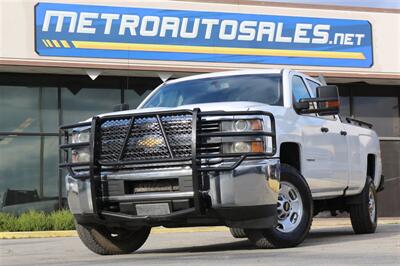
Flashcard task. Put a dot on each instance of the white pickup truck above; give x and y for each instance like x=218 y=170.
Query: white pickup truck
x=260 y=151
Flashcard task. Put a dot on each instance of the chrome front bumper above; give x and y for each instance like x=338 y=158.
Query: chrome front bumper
x=79 y=195
x=253 y=183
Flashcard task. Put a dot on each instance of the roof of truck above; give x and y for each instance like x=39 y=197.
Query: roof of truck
x=228 y=73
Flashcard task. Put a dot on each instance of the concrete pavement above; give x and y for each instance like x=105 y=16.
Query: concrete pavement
x=326 y=245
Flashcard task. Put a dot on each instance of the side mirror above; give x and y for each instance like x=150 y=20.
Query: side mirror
x=327 y=102
x=120 y=107
x=301 y=106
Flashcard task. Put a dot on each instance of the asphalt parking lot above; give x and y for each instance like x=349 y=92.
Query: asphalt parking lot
x=329 y=245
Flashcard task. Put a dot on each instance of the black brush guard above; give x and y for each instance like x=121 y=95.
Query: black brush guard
x=92 y=169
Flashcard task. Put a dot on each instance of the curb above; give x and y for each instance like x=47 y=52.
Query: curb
x=317 y=223
x=73 y=233
x=37 y=234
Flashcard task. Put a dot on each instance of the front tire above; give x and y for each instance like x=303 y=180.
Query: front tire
x=104 y=241
x=364 y=215
x=295 y=212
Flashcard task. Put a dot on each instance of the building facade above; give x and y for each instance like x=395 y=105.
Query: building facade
x=65 y=61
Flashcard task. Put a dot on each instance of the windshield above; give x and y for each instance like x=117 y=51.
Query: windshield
x=264 y=88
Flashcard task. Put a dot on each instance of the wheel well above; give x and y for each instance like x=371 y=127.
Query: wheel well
x=290 y=154
x=371 y=166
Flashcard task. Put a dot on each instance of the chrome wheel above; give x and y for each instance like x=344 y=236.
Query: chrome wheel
x=290 y=208
x=371 y=204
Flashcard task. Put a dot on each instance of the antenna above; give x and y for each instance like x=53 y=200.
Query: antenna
x=322 y=79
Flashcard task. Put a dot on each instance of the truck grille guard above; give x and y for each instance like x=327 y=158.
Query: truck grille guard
x=172 y=154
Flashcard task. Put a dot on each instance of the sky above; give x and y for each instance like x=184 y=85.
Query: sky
x=360 y=3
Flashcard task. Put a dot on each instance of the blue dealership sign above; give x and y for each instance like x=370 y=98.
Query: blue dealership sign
x=74 y=30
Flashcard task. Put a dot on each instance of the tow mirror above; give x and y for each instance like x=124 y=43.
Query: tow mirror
x=301 y=106
x=327 y=102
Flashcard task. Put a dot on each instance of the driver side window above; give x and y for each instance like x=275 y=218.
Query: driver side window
x=300 y=91
x=299 y=88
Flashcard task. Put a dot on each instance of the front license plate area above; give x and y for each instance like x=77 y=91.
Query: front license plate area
x=152 y=209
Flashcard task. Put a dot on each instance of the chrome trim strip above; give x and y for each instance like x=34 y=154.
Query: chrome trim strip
x=150 y=175
x=151 y=196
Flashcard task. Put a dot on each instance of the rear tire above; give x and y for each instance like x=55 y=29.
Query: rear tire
x=364 y=215
x=295 y=213
x=103 y=241
x=238 y=232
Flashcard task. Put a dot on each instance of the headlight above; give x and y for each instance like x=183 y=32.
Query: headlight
x=242 y=125
x=81 y=135
x=81 y=155
x=244 y=147
x=241 y=147
x=247 y=145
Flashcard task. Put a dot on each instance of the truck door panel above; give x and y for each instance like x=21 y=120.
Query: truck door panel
x=356 y=169
x=317 y=151
x=331 y=153
x=339 y=162
x=316 y=155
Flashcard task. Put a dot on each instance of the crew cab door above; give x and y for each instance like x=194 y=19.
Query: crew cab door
x=337 y=135
x=322 y=145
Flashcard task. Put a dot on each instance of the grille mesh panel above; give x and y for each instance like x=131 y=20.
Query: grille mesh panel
x=146 y=141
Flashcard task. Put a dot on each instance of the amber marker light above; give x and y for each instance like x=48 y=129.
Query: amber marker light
x=257 y=146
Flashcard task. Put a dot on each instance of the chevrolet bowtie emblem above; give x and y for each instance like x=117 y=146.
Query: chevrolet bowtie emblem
x=150 y=142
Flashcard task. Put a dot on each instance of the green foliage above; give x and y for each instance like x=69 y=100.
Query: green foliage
x=7 y=222
x=62 y=220
x=32 y=221
x=37 y=221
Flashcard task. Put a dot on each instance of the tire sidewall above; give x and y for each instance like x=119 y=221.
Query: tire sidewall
x=359 y=211
x=98 y=239
x=125 y=242
x=295 y=237
x=370 y=184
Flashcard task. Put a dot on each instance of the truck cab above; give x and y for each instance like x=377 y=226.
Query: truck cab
x=259 y=151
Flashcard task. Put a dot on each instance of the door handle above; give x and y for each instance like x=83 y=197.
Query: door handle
x=343 y=133
x=324 y=129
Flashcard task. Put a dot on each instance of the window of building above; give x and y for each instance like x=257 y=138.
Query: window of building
x=138 y=89
x=83 y=103
x=28 y=109
x=382 y=112
x=32 y=107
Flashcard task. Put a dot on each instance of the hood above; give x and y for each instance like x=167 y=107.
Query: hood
x=218 y=106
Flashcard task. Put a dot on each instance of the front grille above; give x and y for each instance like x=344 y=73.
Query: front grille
x=208 y=146
x=142 y=138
